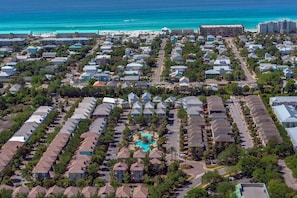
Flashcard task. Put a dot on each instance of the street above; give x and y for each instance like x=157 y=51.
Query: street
x=160 y=63
x=238 y=118
x=113 y=148
x=249 y=77
x=173 y=133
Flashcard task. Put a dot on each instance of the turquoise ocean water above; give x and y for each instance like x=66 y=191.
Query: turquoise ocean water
x=128 y=15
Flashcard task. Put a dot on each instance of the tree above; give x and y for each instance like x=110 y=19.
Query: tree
x=233 y=89
x=230 y=155
x=197 y=193
x=224 y=188
x=212 y=177
x=278 y=189
x=248 y=164
x=290 y=86
x=126 y=177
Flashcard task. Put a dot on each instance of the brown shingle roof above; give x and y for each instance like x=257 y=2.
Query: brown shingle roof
x=140 y=192
x=138 y=166
x=6 y=187
x=123 y=192
x=155 y=153
x=124 y=153
x=54 y=190
x=89 y=191
x=37 y=191
x=120 y=166
x=139 y=154
x=71 y=191
x=20 y=190
x=106 y=190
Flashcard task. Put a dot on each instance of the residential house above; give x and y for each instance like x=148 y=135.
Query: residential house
x=9 y=70
x=124 y=153
x=120 y=169
x=221 y=132
x=37 y=191
x=134 y=66
x=265 y=125
x=286 y=100
x=286 y=115
x=75 y=47
x=146 y=97
x=251 y=190
x=223 y=60
x=211 y=74
x=102 y=111
x=137 y=171
x=15 y=88
x=149 y=108
x=136 y=109
x=102 y=77
x=155 y=157
x=176 y=54
x=293 y=136
x=140 y=192
x=123 y=192
x=72 y=191
x=54 y=191
x=170 y=100
x=102 y=59
x=59 y=60
x=20 y=191
x=184 y=80
x=210 y=38
x=106 y=190
x=32 y=49
x=89 y=191
x=157 y=99
x=132 y=98
x=139 y=154
x=201 y=39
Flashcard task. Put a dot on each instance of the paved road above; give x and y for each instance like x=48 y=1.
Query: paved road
x=195 y=182
x=160 y=63
x=173 y=133
x=249 y=77
x=113 y=147
x=238 y=118
x=287 y=174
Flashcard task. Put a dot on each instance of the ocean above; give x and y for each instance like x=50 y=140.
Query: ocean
x=52 y=16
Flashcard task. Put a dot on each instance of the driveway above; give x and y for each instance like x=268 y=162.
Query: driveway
x=173 y=133
x=113 y=148
x=238 y=118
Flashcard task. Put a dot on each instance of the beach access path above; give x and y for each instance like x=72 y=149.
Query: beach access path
x=249 y=77
x=160 y=62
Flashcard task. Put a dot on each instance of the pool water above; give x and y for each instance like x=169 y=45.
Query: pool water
x=145 y=147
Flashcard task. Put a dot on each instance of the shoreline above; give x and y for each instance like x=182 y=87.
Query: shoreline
x=99 y=32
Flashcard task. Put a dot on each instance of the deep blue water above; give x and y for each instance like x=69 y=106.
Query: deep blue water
x=126 y=15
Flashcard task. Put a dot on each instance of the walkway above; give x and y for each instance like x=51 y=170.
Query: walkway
x=160 y=63
x=287 y=174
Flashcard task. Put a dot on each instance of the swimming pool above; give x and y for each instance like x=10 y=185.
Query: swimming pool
x=145 y=147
